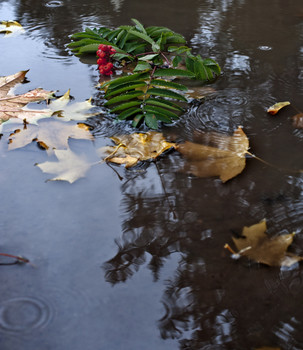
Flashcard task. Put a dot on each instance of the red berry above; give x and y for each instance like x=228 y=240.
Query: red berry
x=112 y=51
x=101 y=47
x=101 y=54
x=108 y=67
x=102 y=61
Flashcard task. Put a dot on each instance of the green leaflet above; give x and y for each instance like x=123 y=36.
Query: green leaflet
x=129 y=112
x=163 y=103
x=151 y=121
x=139 y=26
x=160 y=111
x=166 y=93
x=124 y=97
x=171 y=72
x=133 y=85
x=125 y=106
x=169 y=84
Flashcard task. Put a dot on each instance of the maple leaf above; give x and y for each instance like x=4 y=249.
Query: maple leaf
x=11 y=28
x=135 y=147
x=49 y=134
x=74 y=111
x=13 y=106
x=70 y=167
x=274 y=109
x=255 y=244
x=225 y=159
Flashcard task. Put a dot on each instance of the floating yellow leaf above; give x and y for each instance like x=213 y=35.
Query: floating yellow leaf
x=11 y=28
x=70 y=167
x=226 y=158
x=255 y=244
x=135 y=147
x=276 y=107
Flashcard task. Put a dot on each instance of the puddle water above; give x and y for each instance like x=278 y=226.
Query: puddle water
x=134 y=259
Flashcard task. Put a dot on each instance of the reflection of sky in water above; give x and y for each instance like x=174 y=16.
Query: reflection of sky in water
x=7 y=11
x=238 y=63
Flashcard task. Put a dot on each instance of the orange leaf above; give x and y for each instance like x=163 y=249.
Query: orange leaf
x=274 y=109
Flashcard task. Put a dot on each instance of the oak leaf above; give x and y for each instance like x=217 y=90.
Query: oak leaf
x=225 y=158
x=49 y=134
x=70 y=166
x=14 y=106
x=274 y=109
x=255 y=244
x=135 y=147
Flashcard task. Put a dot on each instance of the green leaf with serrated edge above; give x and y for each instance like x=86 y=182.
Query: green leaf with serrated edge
x=163 y=103
x=113 y=34
x=176 y=39
x=142 y=66
x=169 y=84
x=91 y=48
x=120 y=36
x=135 y=48
x=178 y=49
x=166 y=93
x=130 y=86
x=148 y=57
x=124 y=97
x=132 y=77
x=177 y=60
x=142 y=36
x=129 y=112
x=163 y=118
x=139 y=26
x=126 y=105
x=213 y=65
x=189 y=62
x=160 y=110
x=171 y=72
x=137 y=120
x=83 y=42
x=82 y=35
x=156 y=31
x=151 y=121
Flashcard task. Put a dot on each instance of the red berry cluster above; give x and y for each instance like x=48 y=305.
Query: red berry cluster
x=105 y=66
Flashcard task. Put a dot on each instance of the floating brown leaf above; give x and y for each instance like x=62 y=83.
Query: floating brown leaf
x=226 y=158
x=13 y=106
x=135 y=147
x=298 y=120
x=49 y=134
x=276 y=107
x=258 y=246
x=70 y=167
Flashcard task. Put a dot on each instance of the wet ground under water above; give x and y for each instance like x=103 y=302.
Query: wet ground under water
x=137 y=261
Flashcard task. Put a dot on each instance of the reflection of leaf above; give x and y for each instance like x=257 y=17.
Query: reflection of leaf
x=136 y=147
x=70 y=166
x=298 y=120
x=276 y=107
x=49 y=134
x=11 y=28
x=74 y=111
x=12 y=106
x=225 y=159
x=258 y=246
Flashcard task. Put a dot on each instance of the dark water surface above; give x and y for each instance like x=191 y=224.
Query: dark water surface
x=138 y=263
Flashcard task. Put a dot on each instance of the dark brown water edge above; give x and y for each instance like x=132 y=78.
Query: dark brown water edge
x=139 y=263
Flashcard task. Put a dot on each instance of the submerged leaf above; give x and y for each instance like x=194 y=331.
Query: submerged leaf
x=70 y=167
x=276 y=107
x=136 y=147
x=255 y=244
x=226 y=158
x=298 y=120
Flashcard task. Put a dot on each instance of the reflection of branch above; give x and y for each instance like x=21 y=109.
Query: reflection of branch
x=164 y=190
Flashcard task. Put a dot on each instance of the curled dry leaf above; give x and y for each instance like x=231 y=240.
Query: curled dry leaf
x=274 y=109
x=49 y=134
x=13 y=106
x=255 y=244
x=135 y=147
x=224 y=158
x=70 y=166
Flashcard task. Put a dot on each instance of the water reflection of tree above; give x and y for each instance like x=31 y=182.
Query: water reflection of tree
x=211 y=302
